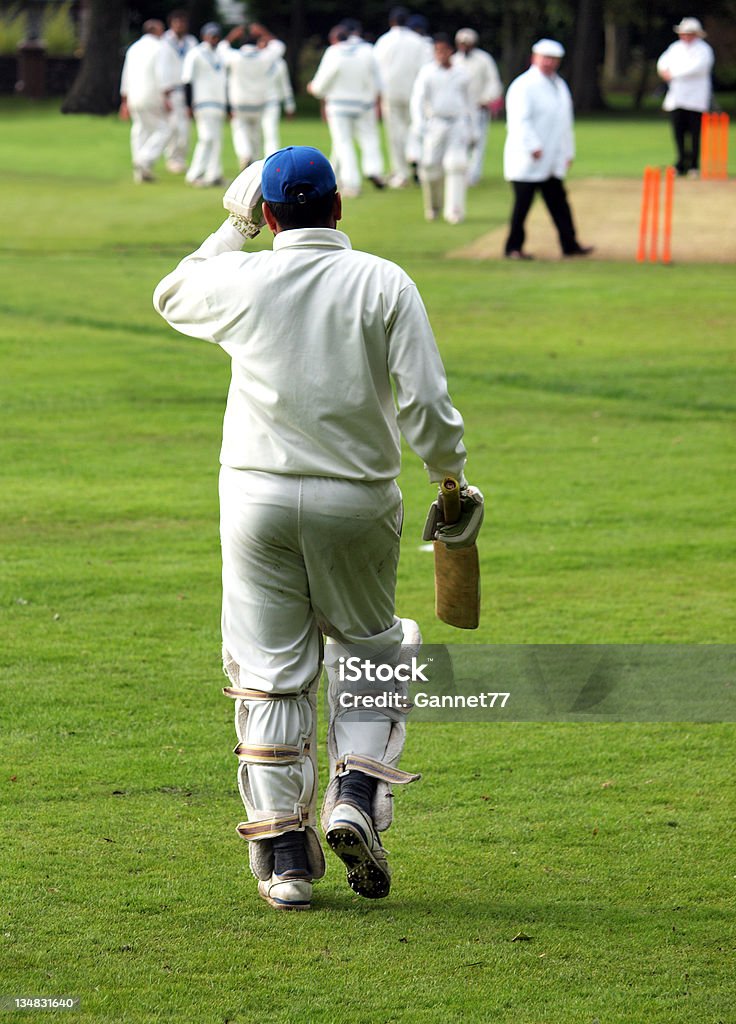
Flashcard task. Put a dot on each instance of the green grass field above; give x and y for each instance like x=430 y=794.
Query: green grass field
x=599 y=407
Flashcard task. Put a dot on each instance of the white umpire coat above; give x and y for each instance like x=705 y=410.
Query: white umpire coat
x=539 y=116
x=141 y=82
x=400 y=54
x=311 y=390
x=690 y=65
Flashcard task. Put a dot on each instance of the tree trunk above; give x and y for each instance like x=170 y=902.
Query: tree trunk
x=295 y=43
x=95 y=89
x=586 y=58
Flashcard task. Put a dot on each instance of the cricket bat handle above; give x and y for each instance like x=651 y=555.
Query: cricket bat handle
x=456 y=573
x=450 y=499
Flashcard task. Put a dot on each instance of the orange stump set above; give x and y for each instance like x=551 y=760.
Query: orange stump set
x=652 y=226
x=714 y=147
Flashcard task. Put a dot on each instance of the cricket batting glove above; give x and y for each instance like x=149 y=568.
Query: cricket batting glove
x=464 y=532
x=243 y=201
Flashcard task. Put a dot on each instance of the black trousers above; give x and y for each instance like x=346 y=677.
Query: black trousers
x=686 y=128
x=554 y=195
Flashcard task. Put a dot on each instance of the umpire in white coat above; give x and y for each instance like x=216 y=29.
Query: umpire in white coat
x=686 y=66
x=540 y=147
x=318 y=335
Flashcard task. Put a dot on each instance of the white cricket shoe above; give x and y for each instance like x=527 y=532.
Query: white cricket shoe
x=351 y=835
x=285 y=893
x=142 y=174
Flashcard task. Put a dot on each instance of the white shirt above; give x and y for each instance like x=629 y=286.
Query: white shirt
x=347 y=77
x=251 y=73
x=173 y=52
x=280 y=90
x=141 y=79
x=205 y=71
x=481 y=69
x=539 y=115
x=690 y=65
x=440 y=92
x=400 y=54
x=316 y=332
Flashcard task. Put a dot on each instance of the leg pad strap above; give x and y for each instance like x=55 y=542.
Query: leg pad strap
x=376 y=769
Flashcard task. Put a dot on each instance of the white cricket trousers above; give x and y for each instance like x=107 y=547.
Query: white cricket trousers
x=177 y=148
x=345 y=127
x=445 y=158
x=476 y=156
x=303 y=556
x=271 y=127
x=397 y=120
x=207 y=157
x=149 y=133
x=247 y=136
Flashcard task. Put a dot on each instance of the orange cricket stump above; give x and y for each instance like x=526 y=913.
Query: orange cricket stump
x=669 y=188
x=646 y=202
x=654 y=233
x=722 y=154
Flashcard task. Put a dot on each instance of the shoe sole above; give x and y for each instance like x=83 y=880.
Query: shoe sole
x=284 y=904
x=365 y=875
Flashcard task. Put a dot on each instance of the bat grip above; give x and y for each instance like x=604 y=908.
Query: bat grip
x=450 y=499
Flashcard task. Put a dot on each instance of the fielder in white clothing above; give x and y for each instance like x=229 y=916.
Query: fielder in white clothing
x=143 y=100
x=251 y=74
x=348 y=80
x=175 y=45
x=318 y=335
x=686 y=67
x=204 y=75
x=441 y=115
x=486 y=92
x=540 y=146
x=280 y=95
x=400 y=54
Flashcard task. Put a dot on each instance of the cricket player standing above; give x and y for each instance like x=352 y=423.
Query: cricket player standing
x=280 y=93
x=310 y=511
x=400 y=54
x=204 y=75
x=486 y=94
x=175 y=45
x=442 y=117
x=251 y=72
x=143 y=100
x=348 y=80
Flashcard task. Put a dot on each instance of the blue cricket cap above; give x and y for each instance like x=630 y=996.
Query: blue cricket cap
x=417 y=21
x=210 y=29
x=296 y=174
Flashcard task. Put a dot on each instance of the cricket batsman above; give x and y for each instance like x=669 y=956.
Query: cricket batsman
x=333 y=358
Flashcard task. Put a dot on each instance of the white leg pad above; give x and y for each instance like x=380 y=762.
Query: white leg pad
x=277 y=775
x=369 y=740
x=455 y=191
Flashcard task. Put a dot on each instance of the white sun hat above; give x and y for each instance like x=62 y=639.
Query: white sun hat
x=690 y=27
x=549 y=48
